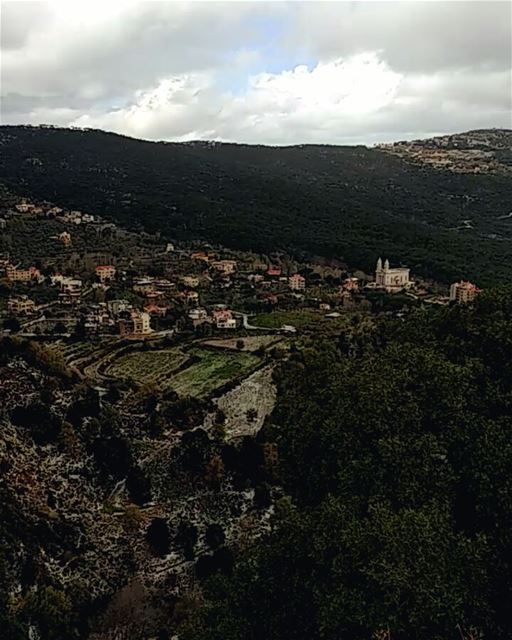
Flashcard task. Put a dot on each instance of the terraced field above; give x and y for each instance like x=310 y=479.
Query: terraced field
x=212 y=371
x=73 y=351
x=148 y=366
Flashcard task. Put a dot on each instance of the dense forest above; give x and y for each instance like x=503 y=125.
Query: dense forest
x=395 y=452
x=353 y=203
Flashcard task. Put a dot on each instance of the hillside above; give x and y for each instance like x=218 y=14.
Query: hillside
x=350 y=202
x=481 y=151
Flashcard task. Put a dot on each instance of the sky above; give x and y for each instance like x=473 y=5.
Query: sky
x=258 y=72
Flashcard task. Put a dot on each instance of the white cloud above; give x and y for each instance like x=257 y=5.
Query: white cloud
x=235 y=71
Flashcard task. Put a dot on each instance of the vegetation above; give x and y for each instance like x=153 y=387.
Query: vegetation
x=349 y=202
x=397 y=457
x=148 y=366
x=298 y=319
x=213 y=369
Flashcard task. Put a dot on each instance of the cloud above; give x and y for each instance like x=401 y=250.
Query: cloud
x=273 y=73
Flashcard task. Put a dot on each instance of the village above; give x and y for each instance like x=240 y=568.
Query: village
x=94 y=289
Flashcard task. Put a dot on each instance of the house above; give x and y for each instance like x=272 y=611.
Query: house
x=97 y=318
x=3 y=223
x=65 y=238
x=21 y=305
x=22 y=275
x=463 y=292
x=105 y=272
x=156 y=310
x=70 y=290
x=24 y=207
x=392 y=280
x=223 y=319
x=297 y=282
x=200 y=255
x=191 y=297
x=137 y=323
x=350 y=284
x=324 y=306
x=274 y=272
x=190 y=281
x=198 y=316
x=54 y=211
x=163 y=284
x=115 y=307
x=227 y=267
x=144 y=285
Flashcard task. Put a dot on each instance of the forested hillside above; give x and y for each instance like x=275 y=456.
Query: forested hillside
x=351 y=202
x=396 y=451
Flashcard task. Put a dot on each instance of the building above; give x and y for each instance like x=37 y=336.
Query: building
x=274 y=272
x=156 y=309
x=227 y=267
x=198 y=316
x=391 y=280
x=463 y=292
x=65 y=238
x=21 y=305
x=297 y=282
x=115 y=307
x=190 y=281
x=97 y=318
x=70 y=290
x=22 y=275
x=137 y=323
x=24 y=207
x=200 y=255
x=105 y=272
x=223 y=319
x=191 y=297
x=350 y=284
x=144 y=285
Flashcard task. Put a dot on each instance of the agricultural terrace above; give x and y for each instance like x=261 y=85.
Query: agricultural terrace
x=148 y=366
x=73 y=352
x=213 y=369
x=248 y=343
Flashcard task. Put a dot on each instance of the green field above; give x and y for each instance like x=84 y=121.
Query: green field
x=212 y=371
x=148 y=366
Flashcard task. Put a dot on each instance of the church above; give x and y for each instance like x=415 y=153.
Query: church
x=391 y=280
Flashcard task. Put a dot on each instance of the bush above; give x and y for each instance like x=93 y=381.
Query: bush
x=158 y=537
x=214 y=536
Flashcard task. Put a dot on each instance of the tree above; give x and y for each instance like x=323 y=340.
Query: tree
x=39 y=420
x=214 y=535
x=12 y=324
x=139 y=486
x=186 y=538
x=158 y=537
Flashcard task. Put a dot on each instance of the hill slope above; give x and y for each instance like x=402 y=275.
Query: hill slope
x=350 y=202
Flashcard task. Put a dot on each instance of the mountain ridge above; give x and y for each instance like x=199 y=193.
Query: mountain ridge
x=351 y=202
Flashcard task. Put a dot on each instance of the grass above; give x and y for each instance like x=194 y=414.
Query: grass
x=212 y=371
x=148 y=366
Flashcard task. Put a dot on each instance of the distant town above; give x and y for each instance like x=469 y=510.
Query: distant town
x=159 y=288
